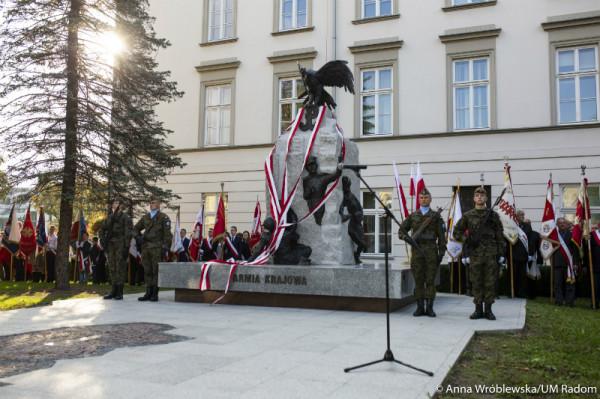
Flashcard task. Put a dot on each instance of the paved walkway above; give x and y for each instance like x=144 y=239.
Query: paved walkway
x=253 y=352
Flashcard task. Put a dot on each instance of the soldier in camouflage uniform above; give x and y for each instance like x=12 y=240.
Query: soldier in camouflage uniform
x=429 y=233
x=116 y=234
x=156 y=241
x=481 y=231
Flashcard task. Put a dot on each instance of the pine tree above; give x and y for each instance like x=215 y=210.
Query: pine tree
x=71 y=115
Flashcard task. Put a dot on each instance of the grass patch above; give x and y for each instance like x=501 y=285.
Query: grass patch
x=25 y=294
x=559 y=345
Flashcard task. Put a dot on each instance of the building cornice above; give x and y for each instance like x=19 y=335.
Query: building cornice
x=470 y=5
x=470 y=33
x=572 y=20
x=375 y=19
x=217 y=65
x=292 y=55
x=387 y=43
x=434 y=135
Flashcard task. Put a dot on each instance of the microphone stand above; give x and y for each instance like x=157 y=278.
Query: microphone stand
x=388 y=356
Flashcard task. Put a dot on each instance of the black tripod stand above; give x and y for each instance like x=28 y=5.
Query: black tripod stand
x=388 y=356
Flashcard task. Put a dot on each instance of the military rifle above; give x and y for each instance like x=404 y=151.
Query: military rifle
x=474 y=239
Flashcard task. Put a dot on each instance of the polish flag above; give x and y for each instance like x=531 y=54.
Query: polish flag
x=256 y=226
x=420 y=184
x=411 y=191
x=400 y=190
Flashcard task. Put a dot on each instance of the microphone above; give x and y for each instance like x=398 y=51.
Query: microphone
x=355 y=168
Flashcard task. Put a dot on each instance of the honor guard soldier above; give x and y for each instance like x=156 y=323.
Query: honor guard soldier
x=156 y=240
x=115 y=236
x=481 y=231
x=429 y=233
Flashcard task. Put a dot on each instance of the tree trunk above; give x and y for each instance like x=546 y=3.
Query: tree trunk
x=70 y=167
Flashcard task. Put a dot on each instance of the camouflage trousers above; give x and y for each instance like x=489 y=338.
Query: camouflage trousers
x=116 y=258
x=150 y=259
x=424 y=268
x=483 y=271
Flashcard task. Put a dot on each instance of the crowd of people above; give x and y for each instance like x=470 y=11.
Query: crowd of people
x=235 y=245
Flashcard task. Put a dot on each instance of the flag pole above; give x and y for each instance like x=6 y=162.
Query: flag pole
x=552 y=256
x=459 y=276
x=512 y=280
x=589 y=236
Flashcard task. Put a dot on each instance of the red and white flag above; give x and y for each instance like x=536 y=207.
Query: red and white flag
x=400 y=191
x=551 y=239
x=582 y=214
x=419 y=184
x=196 y=242
x=256 y=226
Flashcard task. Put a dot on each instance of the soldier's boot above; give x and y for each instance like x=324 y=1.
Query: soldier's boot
x=147 y=295
x=113 y=292
x=420 y=310
x=488 y=312
x=429 y=312
x=478 y=313
x=119 y=295
x=154 y=297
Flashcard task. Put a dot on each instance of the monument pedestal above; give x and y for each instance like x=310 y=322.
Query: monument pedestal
x=358 y=288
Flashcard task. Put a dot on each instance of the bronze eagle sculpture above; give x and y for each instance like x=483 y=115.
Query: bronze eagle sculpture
x=334 y=73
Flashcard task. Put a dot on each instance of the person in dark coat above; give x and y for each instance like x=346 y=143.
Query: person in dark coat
x=595 y=246
x=184 y=256
x=564 y=290
x=245 y=247
x=520 y=258
x=206 y=247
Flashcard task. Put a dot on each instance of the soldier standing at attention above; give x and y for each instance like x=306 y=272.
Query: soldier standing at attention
x=481 y=230
x=116 y=234
x=156 y=241
x=428 y=232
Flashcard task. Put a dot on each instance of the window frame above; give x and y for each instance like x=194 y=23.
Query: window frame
x=471 y=84
x=377 y=92
x=469 y=2
x=222 y=24
x=294 y=100
x=220 y=107
x=377 y=9
x=576 y=75
x=378 y=213
x=294 y=16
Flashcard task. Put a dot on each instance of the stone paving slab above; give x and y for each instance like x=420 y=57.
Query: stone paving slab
x=253 y=352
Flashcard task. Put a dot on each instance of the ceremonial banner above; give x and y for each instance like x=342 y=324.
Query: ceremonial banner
x=196 y=241
x=27 y=243
x=582 y=215
x=11 y=229
x=176 y=243
x=400 y=191
x=420 y=185
x=508 y=214
x=256 y=226
x=551 y=238
x=454 y=248
x=40 y=229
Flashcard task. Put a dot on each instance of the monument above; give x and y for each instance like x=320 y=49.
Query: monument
x=312 y=240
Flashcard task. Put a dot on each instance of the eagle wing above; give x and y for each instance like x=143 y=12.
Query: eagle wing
x=336 y=73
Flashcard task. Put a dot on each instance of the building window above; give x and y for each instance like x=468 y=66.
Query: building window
x=211 y=202
x=373 y=222
x=376 y=8
x=217 y=115
x=376 y=101
x=461 y=2
x=220 y=19
x=577 y=84
x=293 y=14
x=289 y=104
x=568 y=201
x=471 y=91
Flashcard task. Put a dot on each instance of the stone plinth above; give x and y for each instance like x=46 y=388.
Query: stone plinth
x=323 y=286
x=330 y=242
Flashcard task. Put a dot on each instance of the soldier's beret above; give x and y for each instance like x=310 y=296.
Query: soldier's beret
x=480 y=190
x=424 y=191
